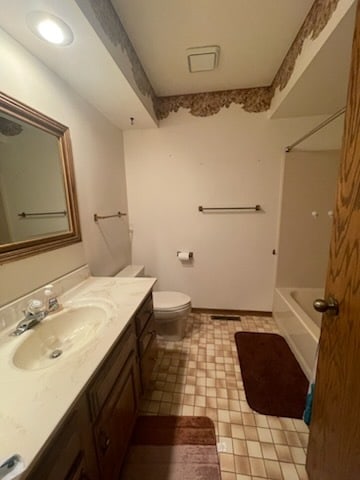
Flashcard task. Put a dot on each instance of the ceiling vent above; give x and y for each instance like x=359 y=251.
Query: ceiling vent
x=203 y=59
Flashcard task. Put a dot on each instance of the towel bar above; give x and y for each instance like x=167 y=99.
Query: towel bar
x=36 y=214
x=203 y=209
x=101 y=217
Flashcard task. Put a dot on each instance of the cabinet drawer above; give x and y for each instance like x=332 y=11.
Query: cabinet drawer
x=104 y=382
x=148 y=333
x=143 y=314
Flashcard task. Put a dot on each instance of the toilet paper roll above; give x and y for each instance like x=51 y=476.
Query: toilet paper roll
x=184 y=256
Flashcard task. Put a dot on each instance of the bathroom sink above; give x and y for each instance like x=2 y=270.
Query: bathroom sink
x=58 y=336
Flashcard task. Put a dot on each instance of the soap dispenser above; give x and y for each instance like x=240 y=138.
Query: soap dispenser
x=51 y=301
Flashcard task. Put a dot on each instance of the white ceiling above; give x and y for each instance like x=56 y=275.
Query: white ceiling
x=253 y=35
x=85 y=64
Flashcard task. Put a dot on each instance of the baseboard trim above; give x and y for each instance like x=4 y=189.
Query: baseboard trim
x=220 y=311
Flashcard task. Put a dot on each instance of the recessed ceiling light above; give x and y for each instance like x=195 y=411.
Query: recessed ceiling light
x=50 y=28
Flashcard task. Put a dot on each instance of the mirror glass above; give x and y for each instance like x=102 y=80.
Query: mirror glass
x=38 y=209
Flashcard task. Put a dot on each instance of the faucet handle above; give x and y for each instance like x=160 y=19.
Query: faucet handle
x=35 y=306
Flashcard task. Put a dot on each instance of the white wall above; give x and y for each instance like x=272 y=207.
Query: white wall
x=309 y=185
x=99 y=170
x=231 y=159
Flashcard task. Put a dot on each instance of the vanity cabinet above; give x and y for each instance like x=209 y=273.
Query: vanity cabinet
x=91 y=442
x=146 y=336
x=70 y=454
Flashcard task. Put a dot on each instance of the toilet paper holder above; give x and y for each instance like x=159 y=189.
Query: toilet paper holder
x=190 y=254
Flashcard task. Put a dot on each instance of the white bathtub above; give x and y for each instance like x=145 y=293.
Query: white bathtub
x=299 y=322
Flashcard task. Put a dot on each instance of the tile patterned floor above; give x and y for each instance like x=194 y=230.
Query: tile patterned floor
x=201 y=376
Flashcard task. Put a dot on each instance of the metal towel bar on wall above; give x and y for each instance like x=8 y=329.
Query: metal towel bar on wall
x=40 y=214
x=101 y=217
x=256 y=208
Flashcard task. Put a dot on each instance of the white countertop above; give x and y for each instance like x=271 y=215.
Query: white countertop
x=33 y=402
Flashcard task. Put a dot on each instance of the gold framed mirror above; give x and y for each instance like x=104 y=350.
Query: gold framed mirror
x=38 y=204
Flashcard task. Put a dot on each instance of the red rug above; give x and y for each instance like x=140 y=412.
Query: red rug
x=273 y=380
x=172 y=448
x=173 y=430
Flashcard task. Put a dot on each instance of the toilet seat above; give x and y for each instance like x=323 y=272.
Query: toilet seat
x=170 y=301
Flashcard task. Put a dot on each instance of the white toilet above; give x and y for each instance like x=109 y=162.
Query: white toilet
x=171 y=309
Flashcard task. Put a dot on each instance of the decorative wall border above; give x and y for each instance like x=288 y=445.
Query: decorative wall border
x=314 y=23
x=115 y=31
x=209 y=103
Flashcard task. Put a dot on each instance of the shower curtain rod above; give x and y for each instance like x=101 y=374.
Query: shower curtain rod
x=316 y=129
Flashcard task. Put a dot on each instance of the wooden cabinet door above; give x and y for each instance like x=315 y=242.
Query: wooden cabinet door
x=79 y=471
x=108 y=375
x=143 y=314
x=114 y=426
x=148 y=362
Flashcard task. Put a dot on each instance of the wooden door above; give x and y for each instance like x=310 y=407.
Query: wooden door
x=334 y=444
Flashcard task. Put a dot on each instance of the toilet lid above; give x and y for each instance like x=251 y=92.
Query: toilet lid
x=170 y=300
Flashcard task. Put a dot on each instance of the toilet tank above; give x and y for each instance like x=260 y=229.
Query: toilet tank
x=132 y=271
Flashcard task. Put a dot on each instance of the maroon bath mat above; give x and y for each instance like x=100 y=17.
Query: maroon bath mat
x=173 y=430
x=273 y=380
x=172 y=448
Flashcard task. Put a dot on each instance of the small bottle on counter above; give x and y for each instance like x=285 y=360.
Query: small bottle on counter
x=51 y=301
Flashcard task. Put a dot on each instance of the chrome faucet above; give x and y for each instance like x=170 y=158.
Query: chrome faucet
x=33 y=315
